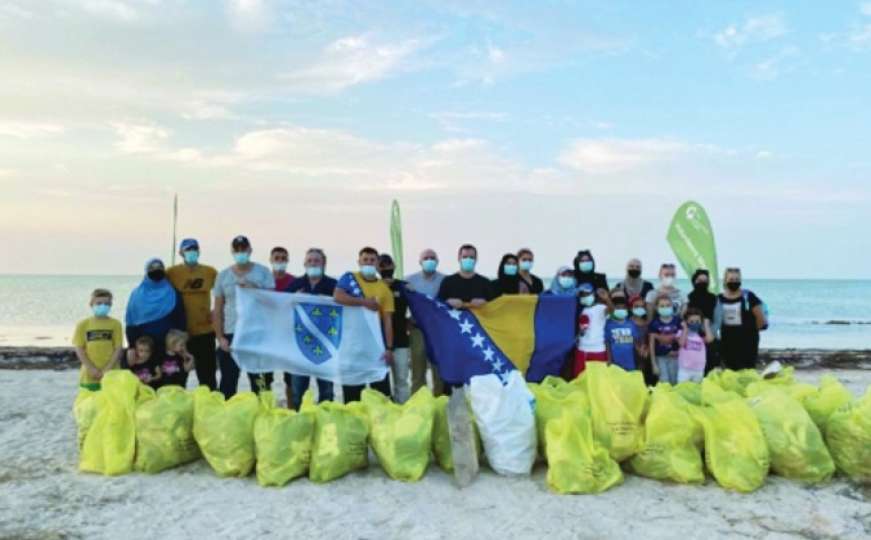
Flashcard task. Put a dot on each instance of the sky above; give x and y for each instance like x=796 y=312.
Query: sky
x=554 y=125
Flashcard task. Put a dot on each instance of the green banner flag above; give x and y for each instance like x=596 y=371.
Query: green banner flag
x=396 y=237
x=691 y=237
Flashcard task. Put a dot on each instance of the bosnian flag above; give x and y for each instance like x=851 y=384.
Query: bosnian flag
x=307 y=335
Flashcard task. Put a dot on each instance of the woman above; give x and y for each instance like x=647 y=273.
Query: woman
x=154 y=308
x=563 y=283
x=742 y=318
x=507 y=282
x=706 y=302
x=633 y=284
x=528 y=280
x=585 y=271
x=667 y=277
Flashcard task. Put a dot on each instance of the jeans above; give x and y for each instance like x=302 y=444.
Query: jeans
x=667 y=369
x=202 y=348
x=300 y=384
x=419 y=364
x=352 y=393
x=401 y=384
x=229 y=384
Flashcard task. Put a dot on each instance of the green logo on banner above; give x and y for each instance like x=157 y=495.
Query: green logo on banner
x=692 y=240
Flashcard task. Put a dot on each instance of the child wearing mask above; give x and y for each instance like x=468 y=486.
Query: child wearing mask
x=694 y=335
x=663 y=339
x=141 y=361
x=97 y=340
x=642 y=342
x=178 y=362
x=620 y=336
x=591 y=328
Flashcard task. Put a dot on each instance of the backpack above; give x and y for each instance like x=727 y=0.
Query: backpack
x=745 y=307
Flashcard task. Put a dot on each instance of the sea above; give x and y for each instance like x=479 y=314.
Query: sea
x=804 y=314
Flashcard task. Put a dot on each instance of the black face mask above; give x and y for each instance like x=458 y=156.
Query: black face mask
x=633 y=273
x=701 y=286
x=387 y=274
x=156 y=275
x=733 y=285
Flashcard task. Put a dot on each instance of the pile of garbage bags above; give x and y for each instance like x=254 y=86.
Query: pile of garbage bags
x=735 y=426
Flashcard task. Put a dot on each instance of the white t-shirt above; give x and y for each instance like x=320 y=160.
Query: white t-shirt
x=594 y=319
x=258 y=277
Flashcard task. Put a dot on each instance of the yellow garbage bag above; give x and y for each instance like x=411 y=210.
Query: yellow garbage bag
x=401 y=435
x=734 y=381
x=736 y=453
x=441 y=435
x=110 y=444
x=691 y=392
x=848 y=434
x=712 y=392
x=340 y=443
x=283 y=442
x=576 y=462
x=224 y=430
x=797 y=449
x=617 y=403
x=164 y=429
x=830 y=396
x=551 y=401
x=84 y=411
x=670 y=451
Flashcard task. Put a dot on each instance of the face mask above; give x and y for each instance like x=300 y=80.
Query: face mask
x=101 y=310
x=665 y=311
x=526 y=266
x=191 y=257
x=633 y=273
x=367 y=270
x=588 y=300
x=242 y=257
x=695 y=327
x=429 y=265
x=156 y=275
x=668 y=281
x=567 y=282
x=510 y=269
x=314 y=271
x=620 y=313
x=467 y=264
x=701 y=286
x=733 y=285
x=639 y=312
x=279 y=266
x=586 y=266
x=387 y=274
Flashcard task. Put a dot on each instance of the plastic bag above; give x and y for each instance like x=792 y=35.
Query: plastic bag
x=735 y=449
x=553 y=398
x=505 y=416
x=690 y=391
x=340 y=443
x=441 y=435
x=282 y=442
x=110 y=444
x=84 y=411
x=670 y=451
x=831 y=396
x=734 y=381
x=712 y=392
x=401 y=435
x=617 y=403
x=848 y=434
x=224 y=430
x=797 y=449
x=576 y=462
x=164 y=429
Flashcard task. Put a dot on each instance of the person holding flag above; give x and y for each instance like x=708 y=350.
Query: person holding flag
x=466 y=288
x=426 y=282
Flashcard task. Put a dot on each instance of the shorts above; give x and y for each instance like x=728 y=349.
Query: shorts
x=693 y=375
x=581 y=359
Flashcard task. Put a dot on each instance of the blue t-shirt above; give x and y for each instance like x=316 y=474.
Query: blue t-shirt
x=670 y=328
x=620 y=337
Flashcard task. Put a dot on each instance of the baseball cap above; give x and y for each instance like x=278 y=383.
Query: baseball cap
x=241 y=241
x=188 y=244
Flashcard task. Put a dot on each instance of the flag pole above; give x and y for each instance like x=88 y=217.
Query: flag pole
x=396 y=237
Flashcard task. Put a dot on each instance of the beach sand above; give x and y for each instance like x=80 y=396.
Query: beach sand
x=43 y=496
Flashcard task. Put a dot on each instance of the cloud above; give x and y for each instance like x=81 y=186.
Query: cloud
x=455 y=121
x=140 y=138
x=609 y=156
x=14 y=11
x=110 y=9
x=350 y=61
x=763 y=154
x=29 y=130
x=773 y=66
x=753 y=30
x=249 y=15
x=865 y=8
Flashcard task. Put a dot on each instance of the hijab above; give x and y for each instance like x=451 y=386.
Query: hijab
x=633 y=286
x=151 y=300
x=706 y=301
x=507 y=284
x=557 y=289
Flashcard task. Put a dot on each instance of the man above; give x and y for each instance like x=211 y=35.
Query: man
x=401 y=387
x=278 y=259
x=374 y=294
x=667 y=277
x=242 y=273
x=195 y=282
x=427 y=282
x=466 y=288
x=315 y=282
x=633 y=284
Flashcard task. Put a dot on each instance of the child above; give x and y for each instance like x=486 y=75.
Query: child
x=642 y=341
x=178 y=361
x=620 y=336
x=97 y=340
x=591 y=323
x=141 y=362
x=663 y=339
x=692 y=339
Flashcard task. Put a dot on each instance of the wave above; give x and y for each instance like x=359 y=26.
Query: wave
x=821 y=322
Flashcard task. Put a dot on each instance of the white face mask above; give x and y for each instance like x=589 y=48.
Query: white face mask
x=279 y=266
x=668 y=281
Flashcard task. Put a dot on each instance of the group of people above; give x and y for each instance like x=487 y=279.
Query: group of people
x=172 y=326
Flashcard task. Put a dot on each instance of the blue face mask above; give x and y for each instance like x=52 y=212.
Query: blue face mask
x=588 y=300
x=368 y=270
x=526 y=266
x=621 y=313
x=467 y=264
x=101 y=310
x=665 y=311
x=191 y=257
x=429 y=265
x=639 y=312
x=586 y=266
x=314 y=271
x=695 y=327
x=510 y=269
x=242 y=257
x=567 y=282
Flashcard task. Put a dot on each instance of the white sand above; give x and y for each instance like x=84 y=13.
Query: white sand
x=43 y=496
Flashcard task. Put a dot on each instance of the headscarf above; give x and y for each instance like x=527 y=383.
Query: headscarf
x=507 y=284
x=706 y=301
x=557 y=289
x=633 y=286
x=151 y=300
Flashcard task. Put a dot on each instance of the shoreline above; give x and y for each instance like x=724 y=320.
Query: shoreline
x=61 y=358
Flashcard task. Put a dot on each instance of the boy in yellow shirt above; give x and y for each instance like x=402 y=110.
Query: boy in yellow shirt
x=98 y=340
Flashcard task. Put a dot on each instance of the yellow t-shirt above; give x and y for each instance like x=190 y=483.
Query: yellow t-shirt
x=100 y=337
x=377 y=290
x=195 y=285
